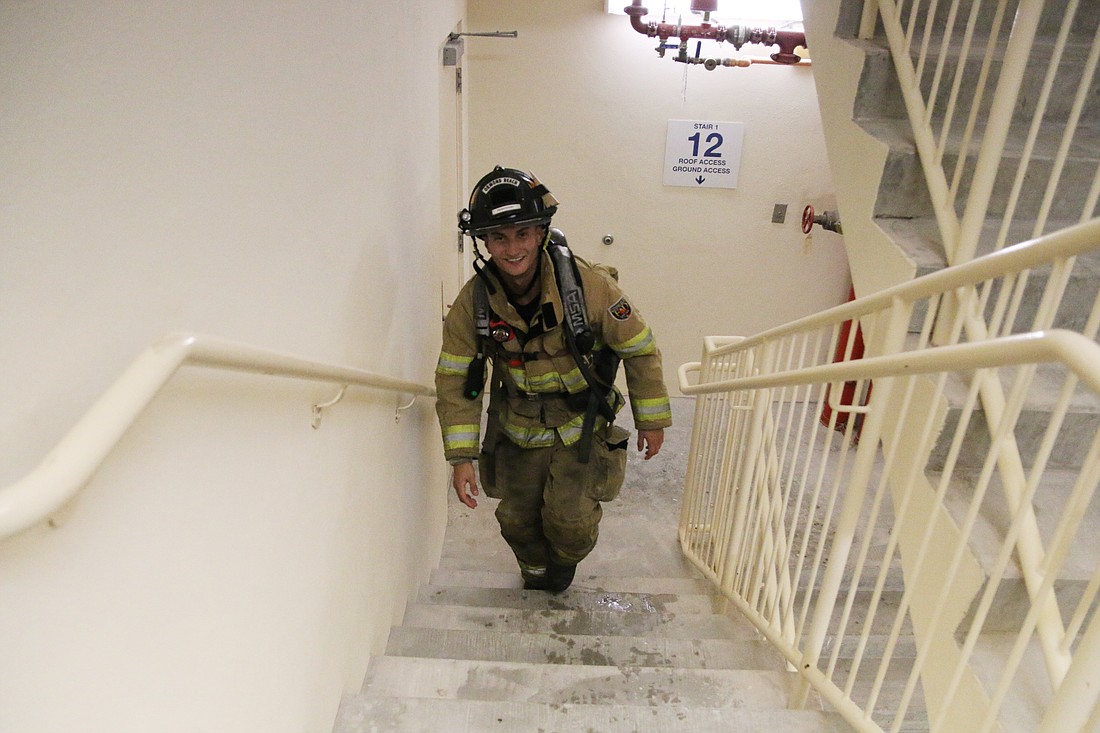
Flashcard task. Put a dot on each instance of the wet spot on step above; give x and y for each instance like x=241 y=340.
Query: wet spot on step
x=649 y=659
x=591 y=656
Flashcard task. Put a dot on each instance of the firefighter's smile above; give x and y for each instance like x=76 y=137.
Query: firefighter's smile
x=515 y=249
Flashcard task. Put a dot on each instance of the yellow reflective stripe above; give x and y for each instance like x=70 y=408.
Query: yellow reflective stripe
x=649 y=410
x=641 y=344
x=573 y=380
x=540 y=382
x=519 y=376
x=460 y=436
x=571 y=431
x=453 y=364
x=529 y=437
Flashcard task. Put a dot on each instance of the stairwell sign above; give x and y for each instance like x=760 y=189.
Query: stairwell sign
x=703 y=154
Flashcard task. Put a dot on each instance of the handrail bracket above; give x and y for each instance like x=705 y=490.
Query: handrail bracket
x=319 y=409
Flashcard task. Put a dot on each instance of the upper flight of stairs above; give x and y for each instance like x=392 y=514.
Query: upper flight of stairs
x=902 y=211
x=902 y=204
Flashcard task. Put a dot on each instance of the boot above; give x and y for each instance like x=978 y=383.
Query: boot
x=559 y=577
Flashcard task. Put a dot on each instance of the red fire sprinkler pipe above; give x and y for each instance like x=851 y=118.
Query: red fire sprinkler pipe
x=735 y=34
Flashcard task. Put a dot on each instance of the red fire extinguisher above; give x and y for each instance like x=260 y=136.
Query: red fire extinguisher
x=848 y=392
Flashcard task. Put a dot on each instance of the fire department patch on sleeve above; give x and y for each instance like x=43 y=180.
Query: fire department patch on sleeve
x=620 y=310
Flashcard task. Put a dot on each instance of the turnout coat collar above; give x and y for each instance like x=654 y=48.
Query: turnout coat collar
x=550 y=313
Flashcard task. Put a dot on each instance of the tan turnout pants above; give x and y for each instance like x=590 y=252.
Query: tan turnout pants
x=550 y=501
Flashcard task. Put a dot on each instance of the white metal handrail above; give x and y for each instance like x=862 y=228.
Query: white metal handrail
x=1080 y=356
x=790 y=515
x=1063 y=245
x=65 y=470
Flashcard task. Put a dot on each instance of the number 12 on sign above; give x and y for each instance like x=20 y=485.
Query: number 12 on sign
x=703 y=154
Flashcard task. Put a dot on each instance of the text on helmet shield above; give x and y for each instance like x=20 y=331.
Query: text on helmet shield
x=500 y=182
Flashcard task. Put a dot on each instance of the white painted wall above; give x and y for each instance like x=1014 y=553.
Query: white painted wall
x=263 y=172
x=583 y=100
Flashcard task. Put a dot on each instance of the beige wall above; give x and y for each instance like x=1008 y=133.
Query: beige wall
x=583 y=100
x=263 y=172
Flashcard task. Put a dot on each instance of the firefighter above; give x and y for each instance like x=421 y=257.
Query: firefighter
x=554 y=328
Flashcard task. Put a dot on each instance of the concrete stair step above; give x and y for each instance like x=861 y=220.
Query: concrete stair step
x=903 y=192
x=563 y=684
x=360 y=714
x=616 y=651
x=874 y=646
x=877 y=626
x=579 y=622
x=919 y=239
x=573 y=599
x=447 y=576
x=1030 y=692
x=1011 y=600
x=872 y=568
x=1071 y=444
x=653 y=550
x=895 y=678
x=880 y=94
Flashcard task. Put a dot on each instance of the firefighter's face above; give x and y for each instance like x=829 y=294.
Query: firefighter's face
x=515 y=248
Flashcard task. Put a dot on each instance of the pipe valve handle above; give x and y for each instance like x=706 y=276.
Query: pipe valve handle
x=807 y=219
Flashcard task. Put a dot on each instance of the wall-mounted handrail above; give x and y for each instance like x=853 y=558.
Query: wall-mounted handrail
x=67 y=468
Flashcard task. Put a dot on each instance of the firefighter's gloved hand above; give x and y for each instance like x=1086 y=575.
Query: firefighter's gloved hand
x=651 y=441
x=464 y=480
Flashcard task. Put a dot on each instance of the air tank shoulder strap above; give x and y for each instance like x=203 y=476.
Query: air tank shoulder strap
x=571 y=291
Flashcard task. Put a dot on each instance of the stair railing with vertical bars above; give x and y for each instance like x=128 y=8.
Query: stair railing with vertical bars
x=857 y=552
x=992 y=141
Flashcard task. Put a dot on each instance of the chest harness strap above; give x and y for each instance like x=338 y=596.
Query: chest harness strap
x=598 y=368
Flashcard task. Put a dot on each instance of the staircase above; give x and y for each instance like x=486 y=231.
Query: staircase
x=902 y=204
x=903 y=210
x=638 y=643
x=890 y=219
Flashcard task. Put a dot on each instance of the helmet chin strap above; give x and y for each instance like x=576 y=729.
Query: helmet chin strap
x=480 y=269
